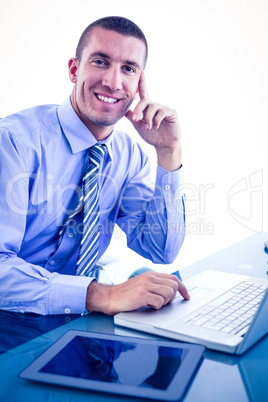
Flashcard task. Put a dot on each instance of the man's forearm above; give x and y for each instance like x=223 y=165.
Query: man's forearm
x=30 y=288
x=160 y=234
x=170 y=159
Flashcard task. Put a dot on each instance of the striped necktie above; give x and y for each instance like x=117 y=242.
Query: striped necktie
x=89 y=204
x=89 y=246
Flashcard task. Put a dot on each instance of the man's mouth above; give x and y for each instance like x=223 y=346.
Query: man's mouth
x=106 y=100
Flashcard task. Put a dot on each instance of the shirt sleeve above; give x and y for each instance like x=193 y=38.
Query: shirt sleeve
x=154 y=219
x=25 y=286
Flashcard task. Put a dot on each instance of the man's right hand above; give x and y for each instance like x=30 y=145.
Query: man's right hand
x=150 y=289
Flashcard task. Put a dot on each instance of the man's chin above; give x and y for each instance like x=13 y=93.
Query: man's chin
x=106 y=121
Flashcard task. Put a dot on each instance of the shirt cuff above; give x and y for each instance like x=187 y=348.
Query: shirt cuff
x=67 y=294
x=169 y=180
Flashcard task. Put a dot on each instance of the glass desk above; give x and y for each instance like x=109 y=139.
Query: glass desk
x=221 y=377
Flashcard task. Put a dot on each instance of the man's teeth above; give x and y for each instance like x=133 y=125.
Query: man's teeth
x=108 y=100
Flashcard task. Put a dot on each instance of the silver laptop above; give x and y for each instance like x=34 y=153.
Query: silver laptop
x=226 y=312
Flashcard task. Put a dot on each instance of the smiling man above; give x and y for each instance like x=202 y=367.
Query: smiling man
x=68 y=176
x=105 y=84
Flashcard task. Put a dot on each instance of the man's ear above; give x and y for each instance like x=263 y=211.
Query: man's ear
x=73 y=68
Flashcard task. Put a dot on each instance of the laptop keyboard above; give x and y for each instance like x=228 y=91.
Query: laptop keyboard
x=231 y=312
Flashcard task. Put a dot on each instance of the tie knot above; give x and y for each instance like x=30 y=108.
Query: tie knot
x=96 y=153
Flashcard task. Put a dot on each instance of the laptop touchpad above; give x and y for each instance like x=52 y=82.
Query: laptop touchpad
x=198 y=295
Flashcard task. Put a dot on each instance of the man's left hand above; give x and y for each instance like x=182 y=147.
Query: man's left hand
x=159 y=126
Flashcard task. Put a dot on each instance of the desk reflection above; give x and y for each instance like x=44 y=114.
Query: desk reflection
x=18 y=328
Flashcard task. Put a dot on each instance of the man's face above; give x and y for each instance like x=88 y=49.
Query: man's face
x=106 y=79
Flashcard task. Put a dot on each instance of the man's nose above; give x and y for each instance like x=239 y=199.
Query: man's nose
x=112 y=78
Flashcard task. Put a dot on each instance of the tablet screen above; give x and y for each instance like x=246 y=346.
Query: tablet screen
x=129 y=363
x=140 y=367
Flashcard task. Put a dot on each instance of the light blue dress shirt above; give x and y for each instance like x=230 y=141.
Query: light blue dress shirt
x=43 y=154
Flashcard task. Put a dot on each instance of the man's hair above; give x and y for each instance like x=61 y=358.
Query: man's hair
x=120 y=25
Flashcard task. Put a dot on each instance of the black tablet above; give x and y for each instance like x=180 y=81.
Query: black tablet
x=147 y=368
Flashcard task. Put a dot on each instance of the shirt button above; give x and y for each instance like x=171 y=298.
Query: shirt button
x=67 y=310
x=167 y=187
x=70 y=234
x=52 y=262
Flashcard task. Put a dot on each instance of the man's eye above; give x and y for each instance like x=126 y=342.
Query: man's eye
x=129 y=70
x=99 y=62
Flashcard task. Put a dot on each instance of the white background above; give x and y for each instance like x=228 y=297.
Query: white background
x=207 y=58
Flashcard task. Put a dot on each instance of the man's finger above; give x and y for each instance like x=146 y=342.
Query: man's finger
x=143 y=92
x=183 y=291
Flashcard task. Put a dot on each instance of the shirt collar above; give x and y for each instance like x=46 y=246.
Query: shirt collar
x=78 y=135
